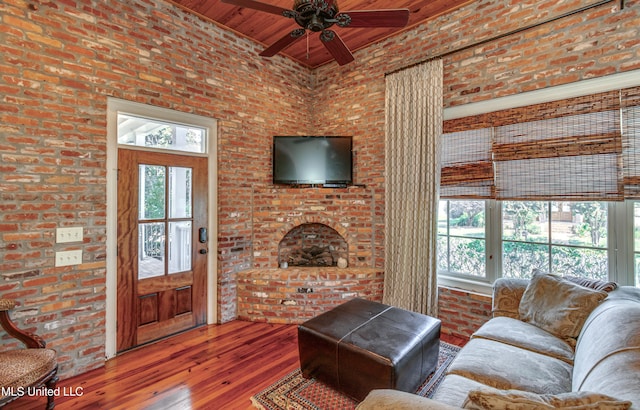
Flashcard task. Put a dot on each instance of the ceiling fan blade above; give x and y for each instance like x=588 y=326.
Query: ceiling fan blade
x=336 y=47
x=283 y=43
x=374 y=18
x=256 y=5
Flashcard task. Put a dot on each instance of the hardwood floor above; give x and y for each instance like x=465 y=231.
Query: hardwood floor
x=212 y=367
x=219 y=366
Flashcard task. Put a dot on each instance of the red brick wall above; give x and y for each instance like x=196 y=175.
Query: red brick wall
x=60 y=61
x=462 y=312
x=349 y=211
x=294 y=295
x=593 y=43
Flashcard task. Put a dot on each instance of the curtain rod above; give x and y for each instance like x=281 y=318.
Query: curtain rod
x=509 y=33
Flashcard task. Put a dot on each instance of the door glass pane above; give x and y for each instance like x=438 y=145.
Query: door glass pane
x=180 y=182
x=152 y=191
x=151 y=239
x=180 y=246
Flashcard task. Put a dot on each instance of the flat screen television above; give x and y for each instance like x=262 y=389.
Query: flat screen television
x=322 y=160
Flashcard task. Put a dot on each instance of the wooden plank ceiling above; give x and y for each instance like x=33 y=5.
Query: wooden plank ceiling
x=268 y=28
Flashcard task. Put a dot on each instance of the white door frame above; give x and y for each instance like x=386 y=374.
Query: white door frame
x=115 y=105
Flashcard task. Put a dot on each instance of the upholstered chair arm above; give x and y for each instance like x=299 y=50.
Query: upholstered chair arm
x=7 y=304
x=507 y=294
x=30 y=340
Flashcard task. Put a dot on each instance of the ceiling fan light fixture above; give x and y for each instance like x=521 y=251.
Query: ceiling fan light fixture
x=319 y=16
x=314 y=15
x=327 y=6
x=327 y=35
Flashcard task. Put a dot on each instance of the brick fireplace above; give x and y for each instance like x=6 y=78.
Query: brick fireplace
x=341 y=221
x=312 y=245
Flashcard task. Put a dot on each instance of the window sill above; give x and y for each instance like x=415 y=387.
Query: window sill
x=470 y=285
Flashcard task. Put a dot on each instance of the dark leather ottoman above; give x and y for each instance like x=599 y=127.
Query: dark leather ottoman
x=362 y=345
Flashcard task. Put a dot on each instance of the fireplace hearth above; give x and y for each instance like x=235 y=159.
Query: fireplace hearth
x=312 y=256
x=312 y=245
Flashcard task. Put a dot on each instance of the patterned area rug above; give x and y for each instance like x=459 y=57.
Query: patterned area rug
x=294 y=392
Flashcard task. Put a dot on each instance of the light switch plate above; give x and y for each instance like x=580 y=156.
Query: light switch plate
x=72 y=234
x=68 y=258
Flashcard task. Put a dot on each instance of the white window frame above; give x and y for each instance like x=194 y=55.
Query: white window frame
x=621 y=264
x=620 y=248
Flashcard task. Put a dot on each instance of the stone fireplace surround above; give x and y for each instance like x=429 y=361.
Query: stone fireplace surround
x=268 y=293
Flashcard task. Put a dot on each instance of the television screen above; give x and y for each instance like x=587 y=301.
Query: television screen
x=312 y=160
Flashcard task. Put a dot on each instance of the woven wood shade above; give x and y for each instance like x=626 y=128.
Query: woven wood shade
x=630 y=101
x=570 y=149
x=467 y=169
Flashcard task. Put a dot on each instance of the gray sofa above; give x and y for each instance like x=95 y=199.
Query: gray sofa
x=584 y=352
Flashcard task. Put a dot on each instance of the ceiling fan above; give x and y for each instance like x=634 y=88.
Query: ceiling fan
x=318 y=16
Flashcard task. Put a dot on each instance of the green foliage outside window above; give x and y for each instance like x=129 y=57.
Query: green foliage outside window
x=567 y=238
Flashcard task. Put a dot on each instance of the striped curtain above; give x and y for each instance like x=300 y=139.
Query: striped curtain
x=412 y=177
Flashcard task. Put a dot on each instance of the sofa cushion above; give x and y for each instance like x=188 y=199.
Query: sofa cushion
x=618 y=375
x=522 y=400
x=527 y=336
x=607 y=356
x=387 y=399
x=507 y=294
x=504 y=366
x=558 y=306
x=454 y=389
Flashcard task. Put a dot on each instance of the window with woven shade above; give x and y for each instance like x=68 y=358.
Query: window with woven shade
x=467 y=168
x=569 y=149
x=630 y=107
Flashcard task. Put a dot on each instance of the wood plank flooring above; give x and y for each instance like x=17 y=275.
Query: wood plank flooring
x=212 y=367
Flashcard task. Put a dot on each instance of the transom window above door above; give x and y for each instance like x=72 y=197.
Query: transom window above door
x=152 y=133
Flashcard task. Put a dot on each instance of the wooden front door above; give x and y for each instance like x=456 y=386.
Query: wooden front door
x=162 y=245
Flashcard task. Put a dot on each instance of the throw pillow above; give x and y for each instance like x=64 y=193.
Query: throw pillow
x=491 y=398
x=592 y=283
x=558 y=306
x=596 y=284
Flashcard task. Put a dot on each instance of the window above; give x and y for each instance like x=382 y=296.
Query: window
x=562 y=237
x=461 y=238
x=542 y=163
x=636 y=242
x=150 y=133
x=568 y=238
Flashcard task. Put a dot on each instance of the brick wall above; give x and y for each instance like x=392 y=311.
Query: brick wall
x=593 y=43
x=462 y=312
x=61 y=60
x=348 y=211
x=294 y=295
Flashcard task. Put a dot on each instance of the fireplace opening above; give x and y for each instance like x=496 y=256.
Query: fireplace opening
x=313 y=245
